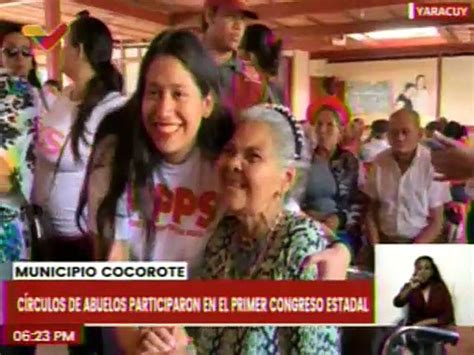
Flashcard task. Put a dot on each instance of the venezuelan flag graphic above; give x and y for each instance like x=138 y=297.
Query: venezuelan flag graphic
x=44 y=40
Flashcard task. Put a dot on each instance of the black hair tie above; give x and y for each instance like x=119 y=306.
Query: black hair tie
x=83 y=14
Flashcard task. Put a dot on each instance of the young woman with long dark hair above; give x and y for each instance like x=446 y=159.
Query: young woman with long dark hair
x=152 y=189
x=66 y=134
x=65 y=137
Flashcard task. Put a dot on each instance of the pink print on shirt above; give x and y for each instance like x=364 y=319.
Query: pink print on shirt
x=50 y=140
x=180 y=210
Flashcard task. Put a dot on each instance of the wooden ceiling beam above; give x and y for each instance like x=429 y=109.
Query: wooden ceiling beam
x=127 y=9
x=323 y=30
x=448 y=34
x=16 y=15
x=360 y=27
x=68 y=14
x=394 y=52
x=302 y=7
x=306 y=44
x=34 y=17
x=13 y=3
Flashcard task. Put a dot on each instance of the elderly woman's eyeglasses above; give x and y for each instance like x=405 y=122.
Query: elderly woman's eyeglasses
x=12 y=52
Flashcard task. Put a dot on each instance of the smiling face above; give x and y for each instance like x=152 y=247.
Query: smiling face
x=251 y=175
x=172 y=108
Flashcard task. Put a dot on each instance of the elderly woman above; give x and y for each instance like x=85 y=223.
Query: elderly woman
x=258 y=238
x=332 y=194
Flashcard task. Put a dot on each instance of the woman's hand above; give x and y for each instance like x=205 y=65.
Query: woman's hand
x=455 y=162
x=332 y=222
x=332 y=263
x=414 y=282
x=163 y=340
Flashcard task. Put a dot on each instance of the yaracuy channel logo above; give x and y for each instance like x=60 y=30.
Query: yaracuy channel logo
x=442 y=11
x=44 y=40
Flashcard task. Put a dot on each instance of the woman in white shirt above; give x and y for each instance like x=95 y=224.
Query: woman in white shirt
x=66 y=133
x=64 y=143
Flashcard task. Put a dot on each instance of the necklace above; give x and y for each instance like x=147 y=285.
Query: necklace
x=232 y=262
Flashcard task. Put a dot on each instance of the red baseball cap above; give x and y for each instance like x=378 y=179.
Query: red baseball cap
x=239 y=5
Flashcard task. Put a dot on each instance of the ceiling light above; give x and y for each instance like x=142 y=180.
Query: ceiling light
x=357 y=36
x=401 y=33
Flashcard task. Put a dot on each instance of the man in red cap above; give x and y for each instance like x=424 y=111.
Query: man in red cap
x=223 y=24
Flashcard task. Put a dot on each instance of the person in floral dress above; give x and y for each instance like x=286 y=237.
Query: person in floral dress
x=259 y=239
x=17 y=126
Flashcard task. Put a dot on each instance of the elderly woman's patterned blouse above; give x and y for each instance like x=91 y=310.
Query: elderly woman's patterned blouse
x=295 y=238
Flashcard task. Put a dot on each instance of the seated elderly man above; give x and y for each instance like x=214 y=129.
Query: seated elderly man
x=406 y=200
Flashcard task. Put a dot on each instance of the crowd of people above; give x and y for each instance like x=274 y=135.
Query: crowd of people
x=205 y=163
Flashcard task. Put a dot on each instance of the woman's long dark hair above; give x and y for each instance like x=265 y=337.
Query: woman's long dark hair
x=436 y=276
x=136 y=157
x=260 y=40
x=96 y=40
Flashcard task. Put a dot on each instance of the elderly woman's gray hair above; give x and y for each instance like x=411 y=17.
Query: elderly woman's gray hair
x=288 y=137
